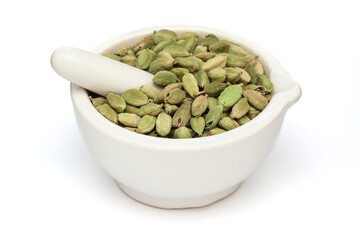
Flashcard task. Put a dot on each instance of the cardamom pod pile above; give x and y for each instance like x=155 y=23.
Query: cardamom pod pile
x=210 y=86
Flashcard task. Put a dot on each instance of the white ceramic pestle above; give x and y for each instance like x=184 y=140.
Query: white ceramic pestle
x=97 y=73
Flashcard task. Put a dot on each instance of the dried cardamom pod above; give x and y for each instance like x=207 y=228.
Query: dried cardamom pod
x=152 y=109
x=163 y=35
x=182 y=132
x=163 y=124
x=146 y=124
x=160 y=64
x=218 y=61
x=98 y=101
x=175 y=96
x=135 y=97
x=197 y=124
x=150 y=91
x=164 y=78
x=190 y=84
x=256 y=99
x=116 y=102
x=230 y=95
x=200 y=105
x=213 y=117
x=107 y=112
x=217 y=75
x=240 y=109
x=182 y=115
x=129 y=119
x=228 y=124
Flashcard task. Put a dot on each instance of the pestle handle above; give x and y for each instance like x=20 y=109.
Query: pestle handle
x=97 y=73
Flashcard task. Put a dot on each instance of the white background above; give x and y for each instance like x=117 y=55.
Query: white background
x=307 y=188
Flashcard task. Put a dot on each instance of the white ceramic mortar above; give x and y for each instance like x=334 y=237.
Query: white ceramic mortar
x=182 y=173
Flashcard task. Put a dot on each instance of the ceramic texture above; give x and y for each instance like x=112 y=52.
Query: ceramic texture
x=182 y=173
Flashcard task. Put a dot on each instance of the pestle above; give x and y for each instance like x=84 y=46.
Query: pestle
x=97 y=73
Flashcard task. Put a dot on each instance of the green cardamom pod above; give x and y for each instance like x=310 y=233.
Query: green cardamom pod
x=164 y=78
x=240 y=109
x=258 y=68
x=268 y=97
x=129 y=60
x=163 y=35
x=207 y=41
x=131 y=129
x=215 y=131
x=254 y=87
x=192 y=63
x=235 y=61
x=190 y=44
x=187 y=99
x=212 y=102
x=251 y=71
x=205 y=56
x=113 y=57
x=232 y=74
x=211 y=35
x=132 y=109
x=146 y=42
x=230 y=95
x=199 y=105
x=199 y=49
x=256 y=99
x=202 y=78
x=150 y=91
x=158 y=48
x=197 y=124
x=170 y=109
x=244 y=76
x=217 y=75
x=146 y=124
x=107 y=112
x=129 y=119
x=228 y=123
x=219 y=47
x=205 y=133
x=179 y=71
x=250 y=59
x=163 y=124
x=184 y=35
x=165 y=55
x=180 y=42
x=215 y=88
x=116 y=102
x=135 y=97
x=265 y=81
x=98 y=101
x=182 y=132
x=213 y=117
x=182 y=115
x=160 y=64
x=218 y=61
x=243 y=120
x=126 y=50
x=167 y=89
x=175 y=96
x=190 y=84
x=176 y=51
x=144 y=58
x=152 y=109
x=237 y=50
x=253 y=113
